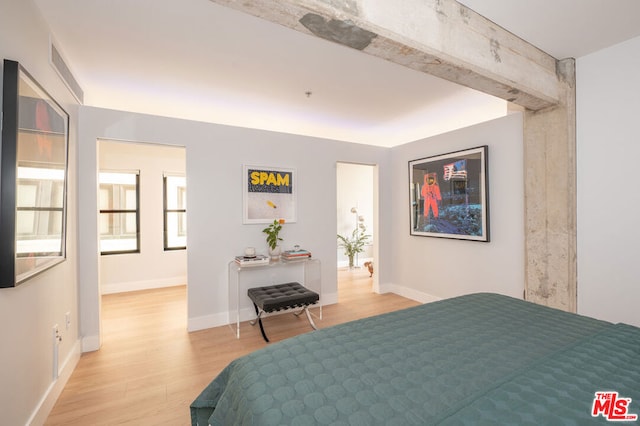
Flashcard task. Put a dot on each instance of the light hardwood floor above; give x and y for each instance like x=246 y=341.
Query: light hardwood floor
x=149 y=369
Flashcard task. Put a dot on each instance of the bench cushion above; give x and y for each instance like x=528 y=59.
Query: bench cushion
x=282 y=296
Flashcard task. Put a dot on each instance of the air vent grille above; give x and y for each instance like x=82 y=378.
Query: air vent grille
x=64 y=72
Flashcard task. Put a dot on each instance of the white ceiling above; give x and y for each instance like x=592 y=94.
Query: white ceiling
x=197 y=60
x=564 y=28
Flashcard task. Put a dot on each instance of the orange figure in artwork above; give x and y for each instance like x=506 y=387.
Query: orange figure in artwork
x=431 y=194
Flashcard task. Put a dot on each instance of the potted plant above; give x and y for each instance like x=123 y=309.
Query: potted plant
x=354 y=244
x=273 y=238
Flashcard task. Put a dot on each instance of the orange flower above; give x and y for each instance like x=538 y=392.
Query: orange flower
x=281 y=221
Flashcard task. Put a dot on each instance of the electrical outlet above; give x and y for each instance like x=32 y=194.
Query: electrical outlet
x=67 y=320
x=57 y=338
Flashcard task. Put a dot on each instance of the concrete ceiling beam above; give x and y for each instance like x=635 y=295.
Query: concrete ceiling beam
x=439 y=37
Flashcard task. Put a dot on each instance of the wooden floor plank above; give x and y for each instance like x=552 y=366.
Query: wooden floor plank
x=149 y=369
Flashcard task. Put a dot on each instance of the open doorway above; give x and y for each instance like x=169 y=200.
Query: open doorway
x=141 y=222
x=356 y=228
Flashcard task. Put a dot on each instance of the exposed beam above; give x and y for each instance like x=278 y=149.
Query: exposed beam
x=438 y=37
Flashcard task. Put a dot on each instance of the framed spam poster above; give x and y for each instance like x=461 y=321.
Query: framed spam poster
x=449 y=195
x=269 y=193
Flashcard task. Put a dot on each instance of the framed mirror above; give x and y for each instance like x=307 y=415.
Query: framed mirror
x=33 y=178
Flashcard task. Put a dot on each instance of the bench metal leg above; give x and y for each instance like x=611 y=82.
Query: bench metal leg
x=259 y=320
x=313 y=324
x=306 y=311
x=259 y=313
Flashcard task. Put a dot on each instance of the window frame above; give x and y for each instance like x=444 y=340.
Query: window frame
x=122 y=211
x=166 y=211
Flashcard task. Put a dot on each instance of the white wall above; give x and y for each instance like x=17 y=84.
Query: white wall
x=153 y=267
x=608 y=84
x=29 y=311
x=608 y=148
x=355 y=185
x=426 y=268
x=215 y=155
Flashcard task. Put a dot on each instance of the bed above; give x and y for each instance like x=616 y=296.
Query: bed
x=477 y=359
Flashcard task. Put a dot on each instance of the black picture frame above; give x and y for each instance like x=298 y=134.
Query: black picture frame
x=449 y=195
x=33 y=178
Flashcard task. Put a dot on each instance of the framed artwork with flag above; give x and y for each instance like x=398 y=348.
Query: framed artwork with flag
x=33 y=190
x=449 y=195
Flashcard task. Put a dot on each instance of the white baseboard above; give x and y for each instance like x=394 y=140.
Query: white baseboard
x=90 y=343
x=329 y=298
x=409 y=293
x=385 y=288
x=143 y=285
x=207 y=321
x=54 y=390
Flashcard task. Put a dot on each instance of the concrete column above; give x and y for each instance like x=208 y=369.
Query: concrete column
x=550 y=198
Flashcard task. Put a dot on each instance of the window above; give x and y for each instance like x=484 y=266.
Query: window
x=175 y=212
x=119 y=212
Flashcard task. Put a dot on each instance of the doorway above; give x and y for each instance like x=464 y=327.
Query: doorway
x=356 y=202
x=143 y=219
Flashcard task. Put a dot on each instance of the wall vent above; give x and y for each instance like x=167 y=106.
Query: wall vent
x=63 y=71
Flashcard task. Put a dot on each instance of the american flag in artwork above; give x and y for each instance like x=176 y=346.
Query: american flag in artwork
x=455 y=170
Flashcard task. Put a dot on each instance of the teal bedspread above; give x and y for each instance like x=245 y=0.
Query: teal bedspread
x=476 y=359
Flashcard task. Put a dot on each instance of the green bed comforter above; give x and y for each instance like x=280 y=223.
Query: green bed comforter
x=476 y=359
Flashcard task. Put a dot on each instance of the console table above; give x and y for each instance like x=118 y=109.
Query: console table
x=241 y=278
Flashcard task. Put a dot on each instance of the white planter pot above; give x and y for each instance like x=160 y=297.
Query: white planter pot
x=274 y=253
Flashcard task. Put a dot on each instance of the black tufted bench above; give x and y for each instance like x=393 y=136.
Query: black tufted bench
x=280 y=297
